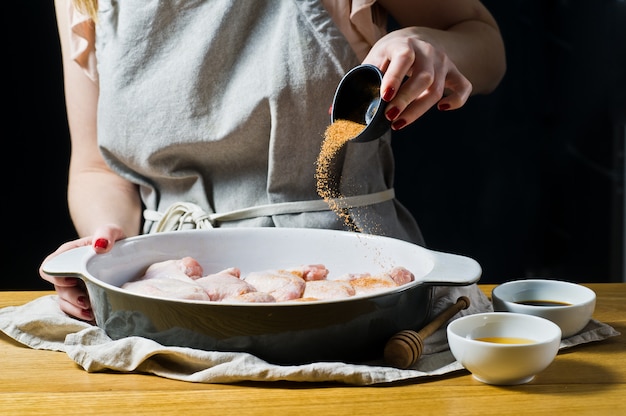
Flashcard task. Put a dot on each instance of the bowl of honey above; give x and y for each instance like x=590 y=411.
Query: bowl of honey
x=504 y=348
x=569 y=305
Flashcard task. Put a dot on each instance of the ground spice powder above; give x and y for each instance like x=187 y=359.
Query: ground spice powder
x=335 y=137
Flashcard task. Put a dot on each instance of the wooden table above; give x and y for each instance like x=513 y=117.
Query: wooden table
x=589 y=379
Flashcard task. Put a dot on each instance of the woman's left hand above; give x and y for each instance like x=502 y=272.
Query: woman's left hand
x=431 y=77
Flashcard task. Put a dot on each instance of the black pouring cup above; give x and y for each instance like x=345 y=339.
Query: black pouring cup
x=358 y=99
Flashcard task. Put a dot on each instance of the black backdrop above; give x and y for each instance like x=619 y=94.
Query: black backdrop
x=528 y=180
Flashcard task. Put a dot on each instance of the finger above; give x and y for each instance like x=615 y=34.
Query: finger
x=458 y=91
x=104 y=238
x=394 y=75
x=63 y=281
x=415 y=110
x=75 y=301
x=395 y=63
x=73 y=310
x=424 y=84
x=418 y=93
x=81 y=242
x=75 y=295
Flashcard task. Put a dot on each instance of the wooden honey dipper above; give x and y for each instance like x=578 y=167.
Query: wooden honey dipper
x=405 y=348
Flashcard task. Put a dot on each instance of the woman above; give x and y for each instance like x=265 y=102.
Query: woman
x=197 y=113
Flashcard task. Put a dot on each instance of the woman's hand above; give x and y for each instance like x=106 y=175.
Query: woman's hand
x=431 y=77
x=73 y=297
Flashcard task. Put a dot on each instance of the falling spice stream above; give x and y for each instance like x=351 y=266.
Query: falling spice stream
x=335 y=137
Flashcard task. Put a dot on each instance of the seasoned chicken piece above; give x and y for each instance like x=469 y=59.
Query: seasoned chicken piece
x=328 y=289
x=365 y=283
x=184 y=268
x=175 y=288
x=281 y=284
x=310 y=272
x=400 y=275
x=348 y=277
x=224 y=284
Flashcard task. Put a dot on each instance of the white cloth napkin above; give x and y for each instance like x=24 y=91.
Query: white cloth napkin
x=40 y=324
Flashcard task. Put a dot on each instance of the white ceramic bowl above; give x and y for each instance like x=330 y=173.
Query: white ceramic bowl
x=572 y=310
x=504 y=363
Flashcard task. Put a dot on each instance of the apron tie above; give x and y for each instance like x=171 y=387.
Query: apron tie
x=187 y=215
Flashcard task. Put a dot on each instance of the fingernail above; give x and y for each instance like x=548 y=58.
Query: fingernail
x=392 y=113
x=330 y=109
x=397 y=125
x=101 y=243
x=388 y=94
x=82 y=301
x=443 y=106
x=87 y=314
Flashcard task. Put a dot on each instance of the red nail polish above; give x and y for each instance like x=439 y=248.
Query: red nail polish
x=388 y=94
x=397 y=125
x=87 y=315
x=392 y=113
x=101 y=243
x=82 y=301
x=444 y=106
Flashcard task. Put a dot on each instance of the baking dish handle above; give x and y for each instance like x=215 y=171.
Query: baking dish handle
x=453 y=269
x=69 y=263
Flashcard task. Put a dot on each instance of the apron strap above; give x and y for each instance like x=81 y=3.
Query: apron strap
x=183 y=215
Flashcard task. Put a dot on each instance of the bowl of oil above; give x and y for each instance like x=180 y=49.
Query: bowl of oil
x=504 y=348
x=569 y=305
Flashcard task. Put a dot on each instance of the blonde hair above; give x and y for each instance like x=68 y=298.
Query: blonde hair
x=88 y=7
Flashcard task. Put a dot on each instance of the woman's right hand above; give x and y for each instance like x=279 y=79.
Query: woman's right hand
x=71 y=291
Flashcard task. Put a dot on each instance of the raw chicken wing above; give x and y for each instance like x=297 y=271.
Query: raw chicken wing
x=224 y=284
x=281 y=284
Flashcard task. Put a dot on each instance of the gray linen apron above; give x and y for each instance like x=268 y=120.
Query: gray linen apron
x=217 y=110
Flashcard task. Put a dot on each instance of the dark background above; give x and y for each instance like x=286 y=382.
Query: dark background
x=529 y=180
